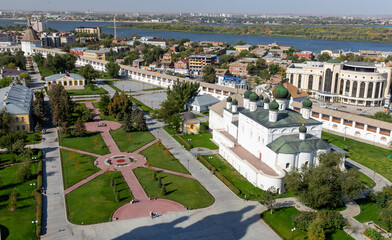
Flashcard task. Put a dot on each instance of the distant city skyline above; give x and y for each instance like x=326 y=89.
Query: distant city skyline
x=299 y=7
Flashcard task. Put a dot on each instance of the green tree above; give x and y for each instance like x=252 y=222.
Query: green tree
x=25 y=76
x=5 y=121
x=61 y=106
x=163 y=190
x=89 y=73
x=323 y=57
x=269 y=198
x=18 y=146
x=103 y=104
x=240 y=42
x=79 y=128
x=112 y=69
x=24 y=172
x=209 y=75
x=273 y=69
x=13 y=200
x=315 y=231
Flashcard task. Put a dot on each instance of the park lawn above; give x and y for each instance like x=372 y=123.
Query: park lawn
x=86 y=143
x=375 y=158
x=87 y=91
x=76 y=167
x=139 y=139
x=157 y=157
x=43 y=72
x=280 y=220
x=142 y=106
x=30 y=136
x=186 y=191
x=169 y=130
x=369 y=211
x=17 y=224
x=201 y=140
x=95 y=201
x=365 y=179
x=153 y=89
x=337 y=235
x=6 y=158
x=102 y=116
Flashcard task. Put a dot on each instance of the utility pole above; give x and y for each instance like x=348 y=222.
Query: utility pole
x=115 y=30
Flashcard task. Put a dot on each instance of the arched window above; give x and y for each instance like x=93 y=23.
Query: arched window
x=310 y=82
x=336 y=83
x=347 y=91
x=299 y=80
x=370 y=90
x=382 y=90
x=377 y=95
x=341 y=87
x=291 y=78
x=354 y=90
x=362 y=90
x=320 y=82
x=328 y=81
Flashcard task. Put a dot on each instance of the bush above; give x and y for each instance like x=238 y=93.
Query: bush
x=188 y=146
x=38 y=199
x=303 y=220
x=373 y=234
x=39 y=155
x=331 y=220
x=24 y=172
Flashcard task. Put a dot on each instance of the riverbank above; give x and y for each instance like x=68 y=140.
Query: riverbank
x=331 y=33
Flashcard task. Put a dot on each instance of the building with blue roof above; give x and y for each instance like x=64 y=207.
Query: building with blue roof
x=233 y=82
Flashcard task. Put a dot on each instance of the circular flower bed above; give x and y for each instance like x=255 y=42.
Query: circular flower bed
x=121 y=160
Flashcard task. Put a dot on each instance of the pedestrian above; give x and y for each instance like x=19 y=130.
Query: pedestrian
x=156 y=214
x=245 y=198
x=151 y=215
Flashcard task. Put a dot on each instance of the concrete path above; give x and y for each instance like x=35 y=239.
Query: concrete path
x=355 y=229
x=84 y=181
x=103 y=85
x=292 y=202
x=203 y=151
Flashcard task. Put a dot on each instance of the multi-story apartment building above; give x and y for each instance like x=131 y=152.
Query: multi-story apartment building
x=101 y=54
x=198 y=62
x=67 y=39
x=356 y=83
x=50 y=40
x=89 y=30
x=39 y=26
x=181 y=67
x=239 y=68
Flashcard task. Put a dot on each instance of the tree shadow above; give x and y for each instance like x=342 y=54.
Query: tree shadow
x=228 y=225
x=4 y=232
x=172 y=191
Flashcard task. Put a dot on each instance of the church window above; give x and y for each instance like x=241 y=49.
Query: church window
x=328 y=80
x=336 y=82
x=370 y=90
x=354 y=90
x=287 y=165
x=377 y=90
x=362 y=90
x=310 y=82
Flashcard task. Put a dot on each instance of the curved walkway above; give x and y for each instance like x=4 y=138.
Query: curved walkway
x=125 y=162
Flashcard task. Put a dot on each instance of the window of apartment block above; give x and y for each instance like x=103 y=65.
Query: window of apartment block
x=359 y=125
x=347 y=122
x=336 y=119
x=315 y=114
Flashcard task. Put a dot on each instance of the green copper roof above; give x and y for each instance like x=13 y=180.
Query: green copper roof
x=286 y=118
x=291 y=144
x=253 y=97
x=235 y=102
x=281 y=92
x=229 y=99
x=307 y=103
x=247 y=94
x=261 y=97
x=274 y=105
x=267 y=100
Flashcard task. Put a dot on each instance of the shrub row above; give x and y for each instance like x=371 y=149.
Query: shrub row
x=187 y=144
x=373 y=234
x=219 y=175
x=38 y=199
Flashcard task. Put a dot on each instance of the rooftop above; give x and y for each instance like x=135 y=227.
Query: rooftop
x=203 y=100
x=63 y=75
x=18 y=99
x=30 y=35
x=291 y=144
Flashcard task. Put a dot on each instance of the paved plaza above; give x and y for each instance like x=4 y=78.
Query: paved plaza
x=132 y=86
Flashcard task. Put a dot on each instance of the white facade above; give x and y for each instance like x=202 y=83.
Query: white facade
x=27 y=47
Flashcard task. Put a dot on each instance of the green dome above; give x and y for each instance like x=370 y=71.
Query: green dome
x=235 y=102
x=247 y=94
x=267 y=100
x=261 y=97
x=307 y=103
x=302 y=129
x=253 y=97
x=280 y=92
x=274 y=106
x=229 y=99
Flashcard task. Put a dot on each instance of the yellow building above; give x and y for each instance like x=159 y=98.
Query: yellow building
x=190 y=123
x=68 y=80
x=101 y=54
x=241 y=48
x=89 y=30
x=18 y=101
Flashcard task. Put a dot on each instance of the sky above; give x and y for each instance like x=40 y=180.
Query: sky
x=316 y=7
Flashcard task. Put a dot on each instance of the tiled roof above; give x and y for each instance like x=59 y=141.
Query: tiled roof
x=30 y=35
x=218 y=108
x=61 y=75
x=291 y=144
x=203 y=100
x=18 y=99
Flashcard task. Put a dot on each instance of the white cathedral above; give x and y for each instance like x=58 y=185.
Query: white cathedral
x=264 y=143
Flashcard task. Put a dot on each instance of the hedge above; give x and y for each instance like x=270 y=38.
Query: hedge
x=219 y=175
x=38 y=199
x=373 y=234
x=187 y=144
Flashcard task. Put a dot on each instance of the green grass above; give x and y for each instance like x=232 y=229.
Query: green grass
x=142 y=106
x=153 y=89
x=156 y=156
x=87 y=91
x=186 y=191
x=280 y=220
x=95 y=202
x=201 y=140
x=5 y=158
x=169 y=130
x=139 y=139
x=86 y=143
x=17 y=224
x=375 y=158
x=369 y=211
x=112 y=86
x=43 y=72
x=29 y=138
x=76 y=167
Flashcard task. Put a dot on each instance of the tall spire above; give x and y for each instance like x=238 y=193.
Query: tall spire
x=115 y=30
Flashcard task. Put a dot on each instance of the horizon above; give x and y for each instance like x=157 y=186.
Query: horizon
x=280 y=7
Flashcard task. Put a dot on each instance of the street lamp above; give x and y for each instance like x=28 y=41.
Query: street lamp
x=292 y=230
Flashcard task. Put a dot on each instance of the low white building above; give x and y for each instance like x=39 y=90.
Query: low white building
x=201 y=103
x=264 y=143
x=29 y=41
x=68 y=80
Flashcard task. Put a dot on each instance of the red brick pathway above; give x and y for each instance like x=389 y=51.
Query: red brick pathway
x=80 y=151
x=84 y=181
x=134 y=185
x=170 y=172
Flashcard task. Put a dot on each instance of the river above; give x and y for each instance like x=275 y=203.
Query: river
x=304 y=44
